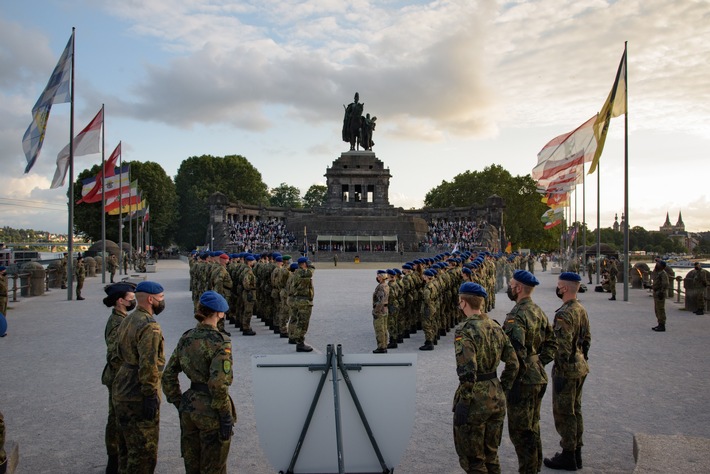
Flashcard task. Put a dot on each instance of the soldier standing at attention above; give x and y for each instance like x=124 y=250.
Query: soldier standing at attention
x=702 y=278
x=301 y=304
x=63 y=271
x=206 y=410
x=80 y=274
x=3 y=290
x=543 y=262
x=380 y=311
x=479 y=403
x=136 y=388
x=531 y=335
x=569 y=372
x=660 y=288
x=248 y=295
x=122 y=299
x=112 y=265
x=613 y=274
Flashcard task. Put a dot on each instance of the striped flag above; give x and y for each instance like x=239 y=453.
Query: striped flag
x=57 y=91
x=566 y=151
x=91 y=187
x=88 y=141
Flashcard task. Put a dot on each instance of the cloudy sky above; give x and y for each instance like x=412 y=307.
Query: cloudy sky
x=456 y=86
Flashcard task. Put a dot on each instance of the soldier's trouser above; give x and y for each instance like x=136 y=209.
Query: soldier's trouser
x=112 y=430
x=202 y=450
x=477 y=442
x=567 y=412
x=428 y=324
x=612 y=286
x=524 y=428
x=138 y=439
x=379 y=323
x=283 y=314
x=247 y=310
x=300 y=318
x=393 y=322
x=659 y=305
x=79 y=286
x=113 y=273
x=701 y=299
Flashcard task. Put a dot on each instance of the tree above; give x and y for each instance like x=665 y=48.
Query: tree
x=315 y=196
x=200 y=176
x=285 y=196
x=157 y=189
x=523 y=207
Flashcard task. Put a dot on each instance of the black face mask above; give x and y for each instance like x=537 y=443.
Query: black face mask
x=559 y=293
x=131 y=305
x=159 y=309
x=510 y=294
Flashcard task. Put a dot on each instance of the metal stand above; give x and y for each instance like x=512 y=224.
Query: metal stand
x=334 y=363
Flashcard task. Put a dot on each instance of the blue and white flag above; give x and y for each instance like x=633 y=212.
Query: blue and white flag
x=58 y=91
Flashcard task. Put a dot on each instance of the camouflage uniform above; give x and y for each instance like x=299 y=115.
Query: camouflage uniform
x=80 y=274
x=380 y=312
x=480 y=345
x=140 y=350
x=248 y=298
x=701 y=282
x=109 y=374
x=221 y=282
x=301 y=304
x=660 y=287
x=429 y=310
x=279 y=279
x=393 y=311
x=112 y=265
x=534 y=342
x=3 y=294
x=569 y=372
x=204 y=354
x=63 y=272
x=613 y=274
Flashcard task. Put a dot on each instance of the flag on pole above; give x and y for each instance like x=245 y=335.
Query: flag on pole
x=550 y=225
x=566 y=151
x=614 y=106
x=57 y=91
x=110 y=165
x=91 y=187
x=137 y=206
x=146 y=217
x=551 y=215
x=87 y=142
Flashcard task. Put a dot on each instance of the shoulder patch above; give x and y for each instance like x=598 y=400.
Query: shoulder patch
x=227 y=366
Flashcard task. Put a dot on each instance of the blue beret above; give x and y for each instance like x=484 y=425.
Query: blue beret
x=250 y=258
x=150 y=287
x=475 y=264
x=470 y=288
x=429 y=273
x=570 y=276
x=447 y=254
x=275 y=254
x=407 y=266
x=397 y=271
x=434 y=271
x=660 y=262
x=279 y=258
x=233 y=255
x=293 y=266
x=120 y=288
x=391 y=272
x=526 y=278
x=193 y=252
x=379 y=272
x=214 y=301
x=302 y=260
x=467 y=271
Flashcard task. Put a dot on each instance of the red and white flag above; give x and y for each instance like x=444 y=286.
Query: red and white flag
x=87 y=142
x=566 y=151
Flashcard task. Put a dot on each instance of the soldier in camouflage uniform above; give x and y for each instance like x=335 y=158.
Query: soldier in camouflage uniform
x=112 y=265
x=221 y=282
x=79 y=274
x=660 y=288
x=702 y=280
x=393 y=308
x=613 y=274
x=380 y=311
x=122 y=299
x=569 y=371
x=531 y=335
x=206 y=410
x=479 y=402
x=301 y=304
x=136 y=387
x=3 y=290
x=248 y=295
x=429 y=301
x=63 y=271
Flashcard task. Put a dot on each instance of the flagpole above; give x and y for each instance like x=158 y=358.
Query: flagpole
x=626 y=177
x=70 y=224
x=103 y=196
x=599 y=234
x=130 y=220
x=584 y=220
x=120 y=211
x=575 y=240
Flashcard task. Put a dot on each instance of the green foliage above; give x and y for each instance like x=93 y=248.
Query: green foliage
x=639 y=239
x=285 y=196
x=200 y=176
x=157 y=189
x=315 y=196
x=523 y=207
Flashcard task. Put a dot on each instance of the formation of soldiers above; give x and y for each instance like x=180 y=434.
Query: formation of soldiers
x=266 y=285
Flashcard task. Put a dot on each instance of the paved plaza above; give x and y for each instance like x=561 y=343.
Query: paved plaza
x=640 y=381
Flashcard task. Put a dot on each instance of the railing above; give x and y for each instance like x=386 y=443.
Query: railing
x=49 y=273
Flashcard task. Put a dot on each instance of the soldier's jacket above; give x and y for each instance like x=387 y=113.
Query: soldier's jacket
x=80 y=271
x=279 y=278
x=221 y=281
x=613 y=271
x=661 y=282
x=533 y=339
x=393 y=297
x=480 y=346
x=204 y=354
x=3 y=286
x=701 y=278
x=429 y=298
x=573 y=335
x=112 y=263
x=248 y=280
x=380 y=300
x=140 y=350
x=111 y=336
x=301 y=286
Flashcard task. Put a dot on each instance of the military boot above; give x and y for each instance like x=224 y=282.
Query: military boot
x=380 y=351
x=442 y=332
x=112 y=466
x=303 y=347
x=248 y=332
x=659 y=328
x=392 y=344
x=578 y=457
x=700 y=312
x=428 y=346
x=613 y=298
x=564 y=460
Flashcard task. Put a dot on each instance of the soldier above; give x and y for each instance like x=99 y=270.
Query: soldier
x=702 y=278
x=125 y=263
x=248 y=295
x=380 y=311
x=531 y=263
x=613 y=274
x=206 y=410
x=112 y=265
x=136 y=388
x=569 y=371
x=80 y=274
x=221 y=282
x=429 y=298
x=531 y=335
x=3 y=290
x=393 y=308
x=660 y=288
x=279 y=278
x=63 y=271
x=543 y=262
x=120 y=297
x=590 y=268
x=479 y=402
x=301 y=304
